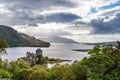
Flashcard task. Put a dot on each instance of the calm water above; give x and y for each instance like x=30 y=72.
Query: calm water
x=56 y=50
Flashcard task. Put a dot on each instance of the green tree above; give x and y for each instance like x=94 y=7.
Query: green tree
x=61 y=72
x=4 y=64
x=37 y=72
x=96 y=50
x=97 y=65
x=39 y=59
x=3 y=45
x=79 y=70
x=21 y=75
x=5 y=74
x=103 y=62
x=15 y=67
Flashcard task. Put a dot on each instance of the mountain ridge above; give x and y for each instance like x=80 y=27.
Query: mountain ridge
x=14 y=39
x=103 y=43
x=57 y=39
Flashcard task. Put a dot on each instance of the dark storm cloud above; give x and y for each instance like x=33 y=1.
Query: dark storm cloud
x=62 y=17
x=22 y=12
x=26 y=17
x=31 y=19
x=101 y=27
x=36 y=4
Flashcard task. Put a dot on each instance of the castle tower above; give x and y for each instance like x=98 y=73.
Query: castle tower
x=39 y=52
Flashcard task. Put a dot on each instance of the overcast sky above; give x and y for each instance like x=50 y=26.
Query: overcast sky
x=81 y=20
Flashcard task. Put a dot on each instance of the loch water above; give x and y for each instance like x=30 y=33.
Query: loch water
x=56 y=50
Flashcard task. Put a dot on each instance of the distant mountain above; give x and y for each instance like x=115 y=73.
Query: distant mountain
x=101 y=43
x=57 y=39
x=14 y=39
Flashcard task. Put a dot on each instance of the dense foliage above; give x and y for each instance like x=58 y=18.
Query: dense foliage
x=3 y=45
x=102 y=64
x=13 y=38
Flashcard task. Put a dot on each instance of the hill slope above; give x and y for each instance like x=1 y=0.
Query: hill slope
x=14 y=39
x=33 y=41
x=57 y=39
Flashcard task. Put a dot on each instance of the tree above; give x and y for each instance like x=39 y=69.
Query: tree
x=4 y=64
x=97 y=65
x=104 y=61
x=21 y=75
x=36 y=72
x=61 y=72
x=96 y=50
x=15 y=67
x=5 y=74
x=39 y=59
x=79 y=70
x=3 y=45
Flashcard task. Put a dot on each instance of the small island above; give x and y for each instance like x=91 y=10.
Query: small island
x=81 y=50
x=38 y=58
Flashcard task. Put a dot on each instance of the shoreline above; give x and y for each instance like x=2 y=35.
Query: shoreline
x=81 y=50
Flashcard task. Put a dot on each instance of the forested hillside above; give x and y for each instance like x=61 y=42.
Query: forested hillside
x=13 y=38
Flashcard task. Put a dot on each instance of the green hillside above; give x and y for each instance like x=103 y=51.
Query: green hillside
x=33 y=41
x=14 y=39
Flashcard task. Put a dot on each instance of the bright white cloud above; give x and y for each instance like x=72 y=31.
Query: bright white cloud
x=21 y=14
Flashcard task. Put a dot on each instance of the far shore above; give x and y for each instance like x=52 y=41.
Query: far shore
x=81 y=50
